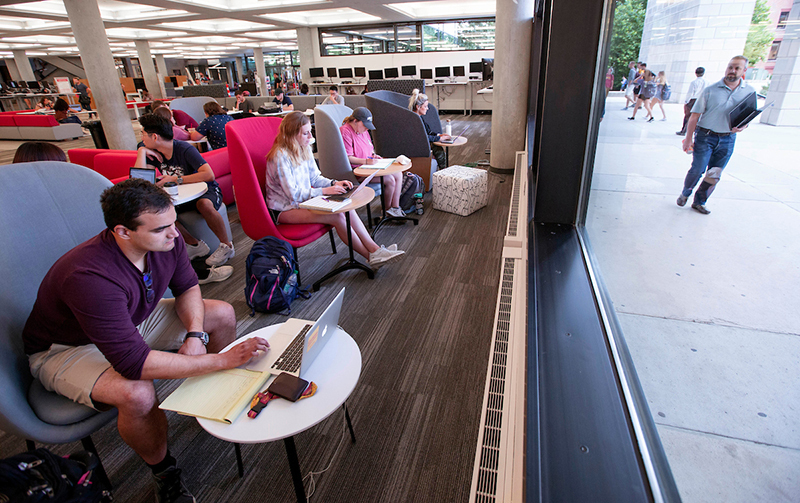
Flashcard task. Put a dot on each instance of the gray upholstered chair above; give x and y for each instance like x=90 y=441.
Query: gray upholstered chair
x=193 y=106
x=398 y=131
x=46 y=209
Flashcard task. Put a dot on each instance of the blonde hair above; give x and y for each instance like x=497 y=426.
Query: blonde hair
x=286 y=140
x=417 y=100
x=662 y=78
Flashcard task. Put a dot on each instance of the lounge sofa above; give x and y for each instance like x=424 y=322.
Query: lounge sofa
x=17 y=126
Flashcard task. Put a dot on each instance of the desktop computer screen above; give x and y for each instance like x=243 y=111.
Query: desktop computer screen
x=390 y=73
x=426 y=73
x=139 y=83
x=376 y=74
x=346 y=73
x=442 y=71
x=11 y=84
x=458 y=71
x=361 y=71
x=331 y=72
x=409 y=71
x=32 y=84
x=476 y=67
x=316 y=72
x=488 y=68
x=22 y=84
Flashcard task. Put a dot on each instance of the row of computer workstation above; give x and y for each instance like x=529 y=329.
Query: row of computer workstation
x=478 y=70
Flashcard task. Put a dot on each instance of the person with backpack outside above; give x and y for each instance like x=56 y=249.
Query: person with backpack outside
x=360 y=152
x=663 y=92
x=293 y=177
x=648 y=90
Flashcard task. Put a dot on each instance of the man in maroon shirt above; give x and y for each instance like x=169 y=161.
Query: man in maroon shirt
x=100 y=332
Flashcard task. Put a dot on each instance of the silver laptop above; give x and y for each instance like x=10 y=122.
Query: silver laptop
x=453 y=139
x=297 y=343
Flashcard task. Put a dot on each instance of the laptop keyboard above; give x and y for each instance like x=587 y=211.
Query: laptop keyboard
x=289 y=360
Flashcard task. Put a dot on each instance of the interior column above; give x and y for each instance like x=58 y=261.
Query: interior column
x=23 y=65
x=261 y=70
x=305 y=47
x=12 y=69
x=240 y=69
x=151 y=79
x=90 y=35
x=513 y=27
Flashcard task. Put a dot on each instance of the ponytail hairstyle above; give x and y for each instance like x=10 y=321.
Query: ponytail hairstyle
x=417 y=100
x=287 y=132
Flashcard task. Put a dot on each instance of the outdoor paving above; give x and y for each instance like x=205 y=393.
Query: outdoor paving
x=708 y=304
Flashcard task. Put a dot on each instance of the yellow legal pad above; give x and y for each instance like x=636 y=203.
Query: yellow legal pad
x=220 y=396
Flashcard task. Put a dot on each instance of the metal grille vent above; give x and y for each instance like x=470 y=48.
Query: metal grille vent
x=492 y=426
x=513 y=210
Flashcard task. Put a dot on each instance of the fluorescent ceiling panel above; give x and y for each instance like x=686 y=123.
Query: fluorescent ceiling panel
x=235 y=5
x=445 y=8
x=110 y=10
x=323 y=16
x=40 y=39
x=218 y=25
x=211 y=40
x=25 y=23
x=276 y=35
x=142 y=33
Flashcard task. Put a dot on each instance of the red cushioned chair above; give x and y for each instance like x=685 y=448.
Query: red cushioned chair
x=249 y=141
x=184 y=119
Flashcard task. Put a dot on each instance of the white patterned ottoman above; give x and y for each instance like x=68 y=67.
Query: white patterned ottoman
x=460 y=190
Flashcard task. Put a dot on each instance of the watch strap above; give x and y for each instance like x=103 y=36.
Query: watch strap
x=203 y=336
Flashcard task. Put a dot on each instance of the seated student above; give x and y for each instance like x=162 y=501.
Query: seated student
x=213 y=126
x=419 y=105
x=242 y=103
x=293 y=177
x=304 y=89
x=100 y=331
x=180 y=162
x=38 y=151
x=146 y=96
x=360 y=151
x=334 y=98
x=178 y=132
x=45 y=105
x=63 y=112
x=282 y=100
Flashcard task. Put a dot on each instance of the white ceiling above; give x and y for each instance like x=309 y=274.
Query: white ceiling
x=204 y=29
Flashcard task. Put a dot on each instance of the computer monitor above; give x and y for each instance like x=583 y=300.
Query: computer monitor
x=426 y=73
x=476 y=67
x=488 y=68
x=360 y=71
x=33 y=84
x=390 y=73
x=346 y=73
x=409 y=71
x=458 y=71
x=22 y=84
x=12 y=84
x=316 y=72
x=442 y=71
x=331 y=72
x=376 y=74
x=139 y=83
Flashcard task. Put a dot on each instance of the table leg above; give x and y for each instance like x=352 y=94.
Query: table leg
x=238 y=449
x=294 y=466
x=350 y=264
x=447 y=157
x=349 y=424
x=384 y=218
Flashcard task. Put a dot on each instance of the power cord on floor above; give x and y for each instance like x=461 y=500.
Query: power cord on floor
x=312 y=485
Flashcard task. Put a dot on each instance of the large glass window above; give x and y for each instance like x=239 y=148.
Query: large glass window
x=467 y=35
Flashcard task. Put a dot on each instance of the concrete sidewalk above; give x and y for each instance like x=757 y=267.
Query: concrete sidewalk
x=708 y=303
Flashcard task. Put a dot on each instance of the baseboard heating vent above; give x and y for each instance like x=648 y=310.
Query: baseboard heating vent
x=498 y=472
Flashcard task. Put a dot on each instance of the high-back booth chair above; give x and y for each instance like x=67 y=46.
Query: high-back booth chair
x=46 y=209
x=399 y=131
x=192 y=106
x=249 y=141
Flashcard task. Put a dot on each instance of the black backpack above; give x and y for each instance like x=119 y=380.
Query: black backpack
x=41 y=476
x=413 y=188
x=271 y=281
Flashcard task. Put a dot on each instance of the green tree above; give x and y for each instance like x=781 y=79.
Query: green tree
x=626 y=38
x=761 y=35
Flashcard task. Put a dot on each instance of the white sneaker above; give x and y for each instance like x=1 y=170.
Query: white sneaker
x=383 y=256
x=215 y=274
x=395 y=212
x=392 y=247
x=201 y=249
x=221 y=255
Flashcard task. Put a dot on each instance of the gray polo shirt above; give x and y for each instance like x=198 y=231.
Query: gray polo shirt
x=715 y=103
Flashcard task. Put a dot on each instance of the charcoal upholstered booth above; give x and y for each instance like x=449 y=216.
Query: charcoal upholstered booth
x=46 y=209
x=398 y=131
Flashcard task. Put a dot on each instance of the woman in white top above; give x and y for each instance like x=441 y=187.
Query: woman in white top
x=293 y=177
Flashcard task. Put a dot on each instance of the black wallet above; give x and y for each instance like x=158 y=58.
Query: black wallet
x=288 y=386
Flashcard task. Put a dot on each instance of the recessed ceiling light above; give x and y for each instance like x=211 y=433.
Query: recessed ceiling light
x=323 y=16
x=26 y=23
x=445 y=8
x=217 y=25
x=277 y=35
x=40 y=39
x=141 y=33
x=235 y=5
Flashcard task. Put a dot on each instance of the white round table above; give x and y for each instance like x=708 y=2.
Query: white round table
x=189 y=192
x=336 y=371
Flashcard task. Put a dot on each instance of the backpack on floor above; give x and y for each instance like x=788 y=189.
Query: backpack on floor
x=271 y=277
x=41 y=476
x=412 y=186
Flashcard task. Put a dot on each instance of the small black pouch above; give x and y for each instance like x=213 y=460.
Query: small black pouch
x=288 y=386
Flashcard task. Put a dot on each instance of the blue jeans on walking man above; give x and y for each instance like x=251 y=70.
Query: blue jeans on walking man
x=711 y=151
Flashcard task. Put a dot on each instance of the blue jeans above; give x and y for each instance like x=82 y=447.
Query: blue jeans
x=710 y=151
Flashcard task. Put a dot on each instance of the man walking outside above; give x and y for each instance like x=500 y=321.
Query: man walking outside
x=695 y=88
x=715 y=139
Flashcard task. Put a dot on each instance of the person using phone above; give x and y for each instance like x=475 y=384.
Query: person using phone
x=293 y=177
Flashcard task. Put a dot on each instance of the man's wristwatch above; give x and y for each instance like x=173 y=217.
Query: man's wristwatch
x=180 y=182
x=203 y=336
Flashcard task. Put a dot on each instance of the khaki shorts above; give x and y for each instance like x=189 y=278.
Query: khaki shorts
x=72 y=371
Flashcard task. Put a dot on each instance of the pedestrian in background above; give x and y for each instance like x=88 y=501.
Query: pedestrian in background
x=695 y=88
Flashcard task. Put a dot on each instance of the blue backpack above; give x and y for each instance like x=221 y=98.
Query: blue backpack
x=271 y=281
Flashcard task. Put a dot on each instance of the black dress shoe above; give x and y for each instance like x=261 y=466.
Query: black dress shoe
x=701 y=209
